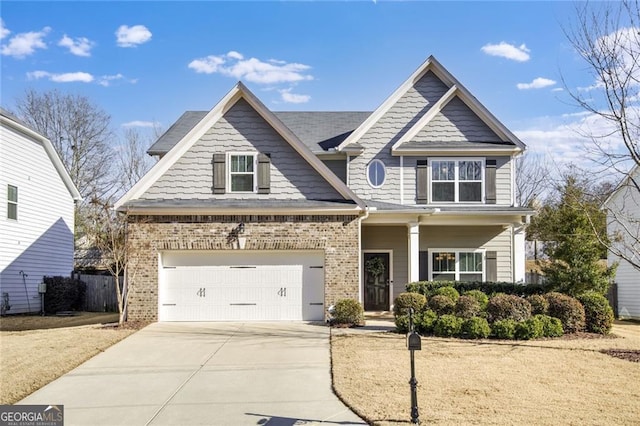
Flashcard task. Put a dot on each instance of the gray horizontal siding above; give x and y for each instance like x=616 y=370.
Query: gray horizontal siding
x=490 y=238
x=241 y=129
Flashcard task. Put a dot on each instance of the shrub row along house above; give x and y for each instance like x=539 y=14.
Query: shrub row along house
x=251 y=214
x=36 y=215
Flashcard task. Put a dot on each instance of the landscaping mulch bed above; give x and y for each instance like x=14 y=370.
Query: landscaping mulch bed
x=628 y=355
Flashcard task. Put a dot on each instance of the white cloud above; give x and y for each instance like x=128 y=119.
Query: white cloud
x=253 y=70
x=294 y=98
x=106 y=80
x=70 y=77
x=139 y=123
x=81 y=46
x=24 y=44
x=4 y=31
x=537 y=83
x=132 y=36
x=509 y=51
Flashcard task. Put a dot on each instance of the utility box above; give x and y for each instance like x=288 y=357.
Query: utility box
x=414 y=342
x=42 y=288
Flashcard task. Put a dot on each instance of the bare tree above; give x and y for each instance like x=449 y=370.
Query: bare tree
x=531 y=179
x=133 y=161
x=81 y=133
x=607 y=37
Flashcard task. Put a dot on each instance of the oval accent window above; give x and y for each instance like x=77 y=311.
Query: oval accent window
x=376 y=173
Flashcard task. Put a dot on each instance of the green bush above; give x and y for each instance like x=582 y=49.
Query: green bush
x=428 y=288
x=348 y=312
x=448 y=291
x=568 y=310
x=508 y=306
x=404 y=301
x=533 y=328
x=539 y=304
x=552 y=327
x=63 y=294
x=442 y=305
x=402 y=323
x=448 y=326
x=504 y=329
x=475 y=328
x=598 y=313
x=467 y=307
x=482 y=298
x=425 y=321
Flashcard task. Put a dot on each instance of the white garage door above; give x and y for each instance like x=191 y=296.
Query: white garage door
x=241 y=286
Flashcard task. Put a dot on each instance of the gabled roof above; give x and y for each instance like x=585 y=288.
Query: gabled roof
x=623 y=184
x=10 y=120
x=319 y=130
x=239 y=91
x=456 y=89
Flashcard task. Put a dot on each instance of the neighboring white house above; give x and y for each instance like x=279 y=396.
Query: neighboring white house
x=623 y=221
x=36 y=215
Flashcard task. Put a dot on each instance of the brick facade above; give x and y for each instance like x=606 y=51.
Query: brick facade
x=337 y=236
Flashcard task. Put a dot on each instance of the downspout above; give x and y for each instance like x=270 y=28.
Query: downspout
x=360 y=283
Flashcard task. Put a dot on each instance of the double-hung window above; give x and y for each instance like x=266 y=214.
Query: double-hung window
x=12 y=202
x=456 y=265
x=456 y=180
x=242 y=172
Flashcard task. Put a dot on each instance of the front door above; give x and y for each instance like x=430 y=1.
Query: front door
x=376 y=281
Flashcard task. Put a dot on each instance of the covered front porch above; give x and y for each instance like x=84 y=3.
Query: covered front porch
x=401 y=248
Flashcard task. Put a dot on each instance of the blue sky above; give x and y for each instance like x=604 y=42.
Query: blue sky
x=147 y=62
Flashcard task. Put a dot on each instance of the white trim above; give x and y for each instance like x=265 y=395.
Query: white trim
x=431 y=64
x=384 y=172
x=457 y=267
x=427 y=117
x=390 y=252
x=253 y=154
x=456 y=180
x=473 y=151
x=217 y=112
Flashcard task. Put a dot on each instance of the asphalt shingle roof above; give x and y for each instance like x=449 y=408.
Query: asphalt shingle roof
x=319 y=130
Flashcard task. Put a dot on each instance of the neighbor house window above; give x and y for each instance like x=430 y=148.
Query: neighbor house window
x=242 y=175
x=12 y=202
x=454 y=181
x=376 y=173
x=456 y=265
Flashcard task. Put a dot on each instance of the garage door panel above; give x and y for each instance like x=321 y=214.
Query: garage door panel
x=252 y=291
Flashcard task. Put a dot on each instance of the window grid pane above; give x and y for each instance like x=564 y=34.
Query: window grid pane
x=12 y=193
x=242 y=173
x=470 y=262
x=444 y=262
x=470 y=170
x=443 y=170
x=457 y=266
x=463 y=181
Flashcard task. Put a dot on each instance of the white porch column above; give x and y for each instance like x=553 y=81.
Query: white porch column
x=414 y=251
x=519 y=254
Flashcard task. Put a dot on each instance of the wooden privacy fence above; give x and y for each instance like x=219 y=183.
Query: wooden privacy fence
x=101 y=293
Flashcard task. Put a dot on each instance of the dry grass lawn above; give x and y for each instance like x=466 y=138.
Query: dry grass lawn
x=31 y=359
x=490 y=382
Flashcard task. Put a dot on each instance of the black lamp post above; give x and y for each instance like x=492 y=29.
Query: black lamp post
x=413 y=344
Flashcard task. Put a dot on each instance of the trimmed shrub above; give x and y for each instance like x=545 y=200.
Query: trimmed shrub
x=467 y=307
x=598 y=313
x=482 y=298
x=448 y=291
x=428 y=288
x=552 y=327
x=442 y=305
x=508 y=306
x=533 y=328
x=402 y=323
x=475 y=328
x=404 y=301
x=425 y=322
x=539 y=304
x=348 y=312
x=448 y=326
x=63 y=294
x=504 y=329
x=568 y=310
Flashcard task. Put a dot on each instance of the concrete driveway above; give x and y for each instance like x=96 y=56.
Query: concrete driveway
x=274 y=374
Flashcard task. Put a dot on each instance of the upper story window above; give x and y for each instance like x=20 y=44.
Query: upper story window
x=456 y=180
x=456 y=265
x=12 y=202
x=376 y=173
x=242 y=172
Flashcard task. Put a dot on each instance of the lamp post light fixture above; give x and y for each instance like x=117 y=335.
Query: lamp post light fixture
x=414 y=343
